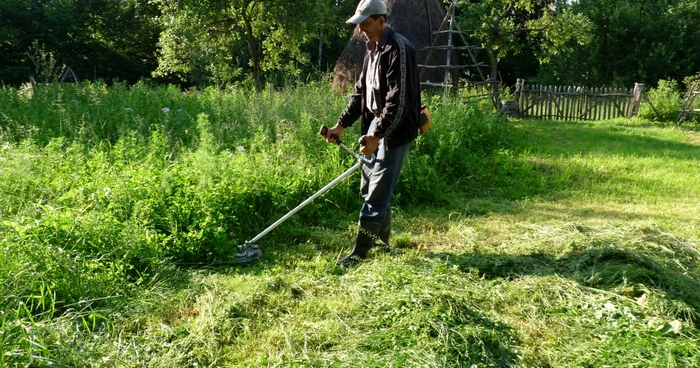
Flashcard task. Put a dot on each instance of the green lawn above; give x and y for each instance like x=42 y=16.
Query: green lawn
x=566 y=244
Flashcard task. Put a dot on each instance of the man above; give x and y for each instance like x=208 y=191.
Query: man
x=387 y=99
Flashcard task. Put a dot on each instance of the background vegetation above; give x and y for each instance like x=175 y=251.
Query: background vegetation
x=584 y=42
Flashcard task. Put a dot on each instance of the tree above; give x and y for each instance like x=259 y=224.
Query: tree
x=633 y=41
x=118 y=38
x=18 y=31
x=110 y=39
x=222 y=41
x=507 y=27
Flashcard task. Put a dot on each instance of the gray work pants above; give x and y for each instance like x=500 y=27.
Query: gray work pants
x=379 y=180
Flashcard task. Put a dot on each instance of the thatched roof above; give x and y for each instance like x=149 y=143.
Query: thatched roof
x=416 y=20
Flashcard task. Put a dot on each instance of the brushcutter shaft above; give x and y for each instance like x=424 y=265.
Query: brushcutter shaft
x=307 y=201
x=248 y=246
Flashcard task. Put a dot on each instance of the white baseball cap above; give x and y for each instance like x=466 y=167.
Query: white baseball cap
x=367 y=8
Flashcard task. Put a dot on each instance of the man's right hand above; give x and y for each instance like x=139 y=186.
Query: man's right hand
x=337 y=130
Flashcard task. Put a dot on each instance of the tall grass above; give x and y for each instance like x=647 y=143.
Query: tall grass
x=103 y=189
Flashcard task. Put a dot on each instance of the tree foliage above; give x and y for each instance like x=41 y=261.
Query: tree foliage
x=205 y=42
x=216 y=41
x=109 y=39
x=508 y=27
x=632 y=41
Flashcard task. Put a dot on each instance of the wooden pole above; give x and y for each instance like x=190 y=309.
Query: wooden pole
x=449 y=50
x=519 y=94
x=636 y=98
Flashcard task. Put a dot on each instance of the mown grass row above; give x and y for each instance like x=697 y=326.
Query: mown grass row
x=516 y=243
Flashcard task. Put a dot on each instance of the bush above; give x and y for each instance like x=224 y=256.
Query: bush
x=666 y=101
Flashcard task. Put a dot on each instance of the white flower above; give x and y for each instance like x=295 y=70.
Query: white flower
x=165 y=110
x=240 y=149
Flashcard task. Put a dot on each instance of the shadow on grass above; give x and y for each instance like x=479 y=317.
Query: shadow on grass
x=600 y=267
x=559 y=137
x=535 y=164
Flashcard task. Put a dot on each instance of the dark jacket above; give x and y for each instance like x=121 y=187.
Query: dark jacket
x=399 y=93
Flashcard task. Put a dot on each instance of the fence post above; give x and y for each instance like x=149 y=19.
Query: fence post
x=519 y=84
x=519 y=88
x=636 y=98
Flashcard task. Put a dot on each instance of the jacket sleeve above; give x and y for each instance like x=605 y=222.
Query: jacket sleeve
x=395 y=106
x=353 y=110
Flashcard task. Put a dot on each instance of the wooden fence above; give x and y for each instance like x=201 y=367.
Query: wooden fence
x=577 y=103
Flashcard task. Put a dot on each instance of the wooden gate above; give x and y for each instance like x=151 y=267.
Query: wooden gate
x=575 y=103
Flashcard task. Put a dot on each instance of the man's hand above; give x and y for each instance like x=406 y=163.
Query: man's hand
x=337 y=130
x=371 y=144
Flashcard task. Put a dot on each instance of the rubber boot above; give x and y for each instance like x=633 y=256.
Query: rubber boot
x=385 y=231
x=367 y=232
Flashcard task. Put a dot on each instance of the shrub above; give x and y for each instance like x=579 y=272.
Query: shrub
x=666 y=102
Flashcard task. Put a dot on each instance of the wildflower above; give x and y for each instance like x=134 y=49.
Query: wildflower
x=240 y=149
x=128 y=109
x=165 y=110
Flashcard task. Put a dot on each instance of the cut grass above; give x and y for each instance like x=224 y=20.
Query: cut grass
x=594 y=273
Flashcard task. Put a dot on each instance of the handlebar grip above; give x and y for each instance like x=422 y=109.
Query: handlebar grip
x=324 y=131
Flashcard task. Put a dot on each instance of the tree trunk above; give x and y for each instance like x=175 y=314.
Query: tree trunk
x=255 y=48
x=493 y=78
x=493 y=57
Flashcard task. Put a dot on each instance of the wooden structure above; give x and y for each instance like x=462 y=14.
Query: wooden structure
x=416 y=20
x=69 y=76
x=577 y=103
x=450 y=72
x=687 y=108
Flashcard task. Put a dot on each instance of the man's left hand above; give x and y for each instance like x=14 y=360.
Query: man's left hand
x=371 y=144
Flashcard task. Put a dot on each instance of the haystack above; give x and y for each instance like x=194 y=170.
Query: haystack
x=416 y=20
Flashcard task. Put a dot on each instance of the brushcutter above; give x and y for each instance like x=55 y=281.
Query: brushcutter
x=250 y=251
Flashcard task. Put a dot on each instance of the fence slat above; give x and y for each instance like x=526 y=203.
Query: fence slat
x=589 y=104
x=538 y=98
x=586 y=113
x=596 y=103
x=552 y=103
x=569 y=101
x=606 y=105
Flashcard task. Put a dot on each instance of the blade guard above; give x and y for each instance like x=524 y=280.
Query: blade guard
x=247 y=253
